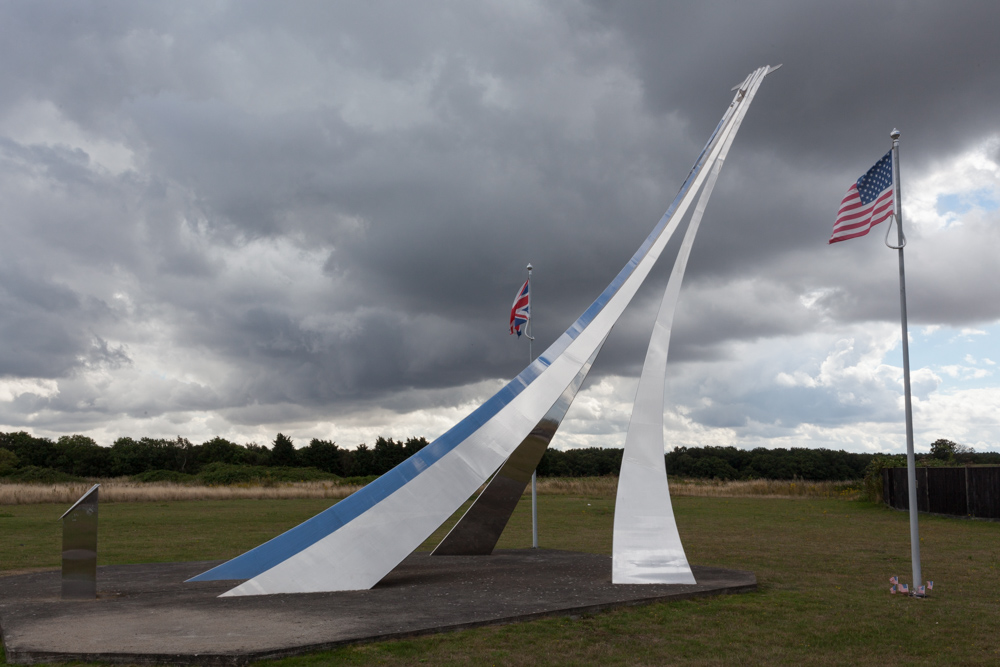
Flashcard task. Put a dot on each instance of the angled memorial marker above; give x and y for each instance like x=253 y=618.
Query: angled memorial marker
x=79 y=552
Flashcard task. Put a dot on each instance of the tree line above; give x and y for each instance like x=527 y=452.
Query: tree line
x=724 y=463
x=730 y=463
x=81 y=456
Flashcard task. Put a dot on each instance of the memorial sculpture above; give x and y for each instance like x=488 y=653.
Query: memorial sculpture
x=356 y=542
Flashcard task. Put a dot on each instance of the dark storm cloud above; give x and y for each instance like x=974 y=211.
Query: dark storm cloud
x=40 y=339
x=851 y=69
x=49 y=327
x=335 y=204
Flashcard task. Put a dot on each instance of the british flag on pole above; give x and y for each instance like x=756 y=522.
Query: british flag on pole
x=520 y=312
x=867 y=203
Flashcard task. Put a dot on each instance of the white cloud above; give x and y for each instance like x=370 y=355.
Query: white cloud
x=40 y=122
x=11 y=388
x=966 y=416
x=951 y=188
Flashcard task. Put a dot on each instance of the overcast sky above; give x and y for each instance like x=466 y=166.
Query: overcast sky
x=239 y=218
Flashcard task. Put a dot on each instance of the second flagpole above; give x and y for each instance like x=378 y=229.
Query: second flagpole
x=911 y=466
x=534 y=473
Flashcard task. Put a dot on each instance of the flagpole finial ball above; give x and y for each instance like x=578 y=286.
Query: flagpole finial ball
x=529 y=266
x=894 y=134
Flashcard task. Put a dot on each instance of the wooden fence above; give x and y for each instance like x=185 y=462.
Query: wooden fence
x=967 y=491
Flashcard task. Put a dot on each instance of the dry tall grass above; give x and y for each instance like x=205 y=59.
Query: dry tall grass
x=114 y=490
x=759 y=488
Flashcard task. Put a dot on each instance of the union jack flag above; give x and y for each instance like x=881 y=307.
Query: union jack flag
x=867 y=202
x=520 y=312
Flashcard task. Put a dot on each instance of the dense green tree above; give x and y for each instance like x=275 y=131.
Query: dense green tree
x=946 y=450
x=8 y=462
x=131 y=457
x=257 y=455
x=220 y=450
x=984 y=458
x=943 y=449
x=324 y=455
x=30 y=451
x=128 y=457
x=81 y=456
x=362 y=461
x=713 y=467
x=283 y=452
x=583 y=462
x=762 y=463
x=386 y=455
x=414 y=445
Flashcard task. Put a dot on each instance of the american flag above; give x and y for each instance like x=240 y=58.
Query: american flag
x=520 y=312
x=867 y=203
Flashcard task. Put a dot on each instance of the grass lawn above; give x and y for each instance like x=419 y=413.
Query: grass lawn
x=822 y=566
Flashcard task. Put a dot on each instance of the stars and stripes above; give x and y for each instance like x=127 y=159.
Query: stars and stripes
x=520 y=312
x=867 y=203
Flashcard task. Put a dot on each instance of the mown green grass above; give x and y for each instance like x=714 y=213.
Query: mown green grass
x=822 y=567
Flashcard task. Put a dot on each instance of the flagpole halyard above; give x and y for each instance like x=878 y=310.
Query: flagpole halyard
x=911 y=465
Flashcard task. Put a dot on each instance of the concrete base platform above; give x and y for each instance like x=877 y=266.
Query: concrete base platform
x=145 y=613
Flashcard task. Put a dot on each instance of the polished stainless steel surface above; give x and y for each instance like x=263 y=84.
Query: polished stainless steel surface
x=79 y=551
x=357 y=541
x=647 y=548
x=477 y=532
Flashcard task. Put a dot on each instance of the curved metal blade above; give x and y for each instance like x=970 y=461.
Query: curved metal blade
x=646 y=547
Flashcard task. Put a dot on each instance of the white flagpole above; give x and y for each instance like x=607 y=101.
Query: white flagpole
x=534 y=489
x=911 y=465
